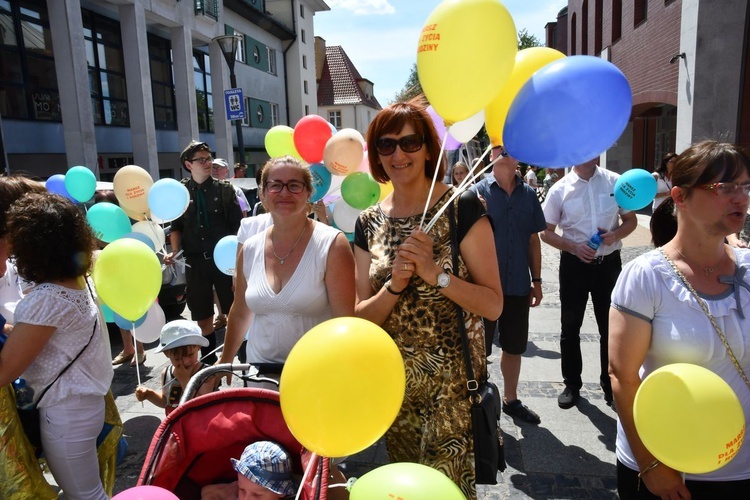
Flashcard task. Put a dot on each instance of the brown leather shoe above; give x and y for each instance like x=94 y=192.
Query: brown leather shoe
x=122 y=358
x=141 y=358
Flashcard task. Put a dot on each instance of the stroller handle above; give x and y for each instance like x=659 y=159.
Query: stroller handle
x=229 y=368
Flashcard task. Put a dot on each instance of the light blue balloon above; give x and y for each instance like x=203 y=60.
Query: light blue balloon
x=225 y=254
x=168 y=199
x=321 y=181
x=568 y=112
x=108 y=313
x=141 y=237
x=635 y=189
x=56 y=185
x=80 y=182
x=126 y=324
x=108 y=221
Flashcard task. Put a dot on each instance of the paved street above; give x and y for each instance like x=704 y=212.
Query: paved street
x=570 y=455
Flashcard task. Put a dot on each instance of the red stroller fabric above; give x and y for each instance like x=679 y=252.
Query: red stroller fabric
x=193 y=445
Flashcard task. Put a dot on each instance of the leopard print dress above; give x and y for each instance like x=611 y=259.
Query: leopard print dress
x=433 y=427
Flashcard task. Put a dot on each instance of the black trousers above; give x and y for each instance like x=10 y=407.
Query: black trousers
x=628 y=489
x=578 y=280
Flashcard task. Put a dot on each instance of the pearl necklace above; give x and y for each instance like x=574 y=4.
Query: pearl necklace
x=283 y=259
x=706 y=270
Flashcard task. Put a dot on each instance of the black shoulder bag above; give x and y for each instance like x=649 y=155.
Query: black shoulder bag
x=30 y=417
x=489 y=455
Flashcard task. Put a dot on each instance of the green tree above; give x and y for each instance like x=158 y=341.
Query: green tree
x=411 y=88
x=525 y=40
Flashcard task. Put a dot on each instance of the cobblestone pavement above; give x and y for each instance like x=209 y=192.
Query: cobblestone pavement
x=570 y=455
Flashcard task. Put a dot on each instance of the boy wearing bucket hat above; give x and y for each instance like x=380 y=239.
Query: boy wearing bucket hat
x=181 y=342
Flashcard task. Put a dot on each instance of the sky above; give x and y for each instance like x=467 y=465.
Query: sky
x=380 y=36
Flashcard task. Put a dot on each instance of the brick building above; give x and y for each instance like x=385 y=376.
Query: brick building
x=686 y=61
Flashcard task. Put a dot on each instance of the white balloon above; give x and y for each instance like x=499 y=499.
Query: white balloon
x=150 y=330
x=345 y=216
x=465 y=130
x=153 y=231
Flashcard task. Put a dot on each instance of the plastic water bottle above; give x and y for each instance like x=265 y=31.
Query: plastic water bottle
x=24 y=393
x=595 y=240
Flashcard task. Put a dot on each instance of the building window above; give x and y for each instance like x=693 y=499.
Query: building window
x=275 y=115
x=585 y=27
x=28 y=82
x=307 y=110
x=334 y=118
x=573 y=33
x=301 y=11
x=162 y=84
x=241 y=54
x=304 y=84
x=597 y=27
x=616 y=20
x=203 y=92
x=271 y=60
x=302 y=35
x=109 y=98
x=641 y=11
x=246 y=120
x=304 y=62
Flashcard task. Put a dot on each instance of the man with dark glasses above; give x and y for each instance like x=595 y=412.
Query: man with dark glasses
x=213 y=213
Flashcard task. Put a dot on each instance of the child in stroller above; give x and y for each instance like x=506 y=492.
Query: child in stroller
x=181 y=342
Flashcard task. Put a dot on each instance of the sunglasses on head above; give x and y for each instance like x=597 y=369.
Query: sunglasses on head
x=500 y=151
x=409 y=144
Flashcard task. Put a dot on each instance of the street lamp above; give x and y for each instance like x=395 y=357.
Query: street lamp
x=228 y=45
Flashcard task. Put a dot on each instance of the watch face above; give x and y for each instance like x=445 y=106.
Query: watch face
x=443 y=280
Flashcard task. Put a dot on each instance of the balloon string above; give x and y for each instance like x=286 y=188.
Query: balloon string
x=458 y=192
x=163 y=249
x=137 y=361
x=434 y=178
x=309 y=467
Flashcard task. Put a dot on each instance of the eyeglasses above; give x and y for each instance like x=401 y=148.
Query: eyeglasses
x=202 y=161
x=503 y=152
x=726 y=189
x=409 y=144
x=294 y=187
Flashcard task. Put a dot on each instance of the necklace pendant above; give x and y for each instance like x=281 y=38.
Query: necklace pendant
x=281 y=261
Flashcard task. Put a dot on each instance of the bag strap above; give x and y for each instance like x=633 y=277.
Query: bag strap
x=716 y=326
x=471 y=382
x=96 y=322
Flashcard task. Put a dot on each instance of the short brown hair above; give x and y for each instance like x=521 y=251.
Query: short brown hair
x=390 y=121
x=181 y=351
x=12 y=188
x=709 y=161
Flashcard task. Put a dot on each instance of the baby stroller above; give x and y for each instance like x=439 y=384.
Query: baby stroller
x=193 y=445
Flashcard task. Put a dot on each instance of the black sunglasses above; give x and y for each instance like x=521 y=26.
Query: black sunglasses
x=409 y=144
x=503 y=152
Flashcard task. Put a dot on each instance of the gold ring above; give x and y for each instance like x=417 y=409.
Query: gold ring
x=406 y=268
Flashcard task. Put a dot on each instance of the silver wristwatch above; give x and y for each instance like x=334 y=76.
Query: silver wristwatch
x=443 y=279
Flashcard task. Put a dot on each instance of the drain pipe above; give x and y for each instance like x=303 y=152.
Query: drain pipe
x=283 y=54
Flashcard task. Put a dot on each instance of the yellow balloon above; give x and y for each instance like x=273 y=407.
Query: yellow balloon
x=127 y=275
x=279 y=141
x=689 y=418
x=461 y=34
x=131 y=185
x=342 y=386
x=528 y=62
x=385 y=190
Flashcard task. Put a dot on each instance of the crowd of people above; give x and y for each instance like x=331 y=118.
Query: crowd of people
x=295 y=271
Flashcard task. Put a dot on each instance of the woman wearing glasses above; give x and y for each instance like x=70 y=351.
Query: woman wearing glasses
x=407 y=284
x=291 y=276
x=658 y=319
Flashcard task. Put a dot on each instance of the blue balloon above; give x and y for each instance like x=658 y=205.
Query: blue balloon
x=143 y=238
x=80 y=182
x=635 y=189
x=56 y=185
x=225 y=254
x=108 y=313
x=168 y=199
x=126 y=324
x=321 y=180
x=569 y=112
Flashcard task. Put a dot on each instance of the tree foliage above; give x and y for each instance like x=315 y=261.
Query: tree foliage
x=526 y=40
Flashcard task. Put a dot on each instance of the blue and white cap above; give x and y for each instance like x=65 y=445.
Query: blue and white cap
x=267 y=464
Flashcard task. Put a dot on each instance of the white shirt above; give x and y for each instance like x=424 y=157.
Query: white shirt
x=530 y=178
x=250 y=226
x=11 y=292
x=580 y=207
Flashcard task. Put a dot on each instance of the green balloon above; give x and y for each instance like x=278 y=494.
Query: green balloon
x=360 y=190
x=80 y=183
x=108 y=221
x=405 y=480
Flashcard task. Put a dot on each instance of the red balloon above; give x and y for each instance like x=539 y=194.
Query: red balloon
x=310 y=136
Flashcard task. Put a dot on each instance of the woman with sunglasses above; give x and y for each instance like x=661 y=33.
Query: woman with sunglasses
x=657 y=318
x=291 y=276
x=407 y=284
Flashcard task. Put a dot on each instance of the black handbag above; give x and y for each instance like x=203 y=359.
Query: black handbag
x=29 y=417
x=489 y=453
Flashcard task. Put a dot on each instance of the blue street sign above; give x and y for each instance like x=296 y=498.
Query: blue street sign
x=234 y=104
